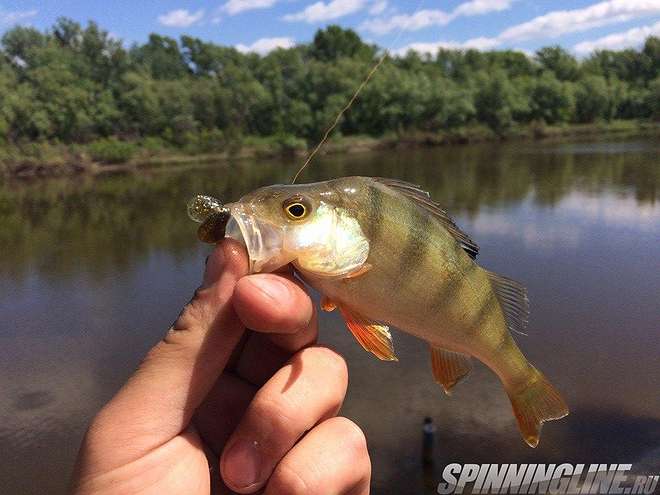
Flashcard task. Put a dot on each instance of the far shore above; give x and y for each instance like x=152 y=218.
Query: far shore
x=35 y=160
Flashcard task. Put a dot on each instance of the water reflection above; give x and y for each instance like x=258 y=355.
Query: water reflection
x=56 y=226
x=93 y=270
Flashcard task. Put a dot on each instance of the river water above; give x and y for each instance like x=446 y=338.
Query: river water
x=93 y=270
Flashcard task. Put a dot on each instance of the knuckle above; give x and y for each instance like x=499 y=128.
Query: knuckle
x=286 y=480
x=277 y=416
x=330 y=361
x=192 y=313
x=353 y=437
x=169 y=350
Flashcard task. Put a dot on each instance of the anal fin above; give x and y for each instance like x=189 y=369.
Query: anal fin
x=449 y=367
x=371 y=335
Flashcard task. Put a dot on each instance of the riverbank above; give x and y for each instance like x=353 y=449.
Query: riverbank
x=112 y=155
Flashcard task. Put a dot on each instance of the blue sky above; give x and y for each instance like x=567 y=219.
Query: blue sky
x=260 y=25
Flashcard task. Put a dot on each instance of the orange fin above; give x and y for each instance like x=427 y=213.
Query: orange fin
x=371 y=335
x=537 y=402
x=360 y=271
x=449 y=367
x=327 y=304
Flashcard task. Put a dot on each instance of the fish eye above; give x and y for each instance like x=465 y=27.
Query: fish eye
x=296 y=208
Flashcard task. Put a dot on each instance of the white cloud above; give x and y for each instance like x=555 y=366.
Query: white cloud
x=549 y=25
x=233 y=7
x=378 y=7
x=560 y=22
x=433 y=17
x=481 y=43
x=321 y=11
x=616 y=41
x=265 y=45
x=433 y=47
x=181 y=18
x=478 y=7
x=407 y=22
x=9 y=18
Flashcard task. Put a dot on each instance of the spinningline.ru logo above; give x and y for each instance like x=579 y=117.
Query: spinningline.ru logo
x=568 y=479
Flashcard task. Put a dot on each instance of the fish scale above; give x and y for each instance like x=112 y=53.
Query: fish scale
x=383 y=253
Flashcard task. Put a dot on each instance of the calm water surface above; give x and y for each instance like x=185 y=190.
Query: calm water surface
x=92 y=272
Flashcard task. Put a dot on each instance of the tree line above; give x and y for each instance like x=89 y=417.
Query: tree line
x=75 y=84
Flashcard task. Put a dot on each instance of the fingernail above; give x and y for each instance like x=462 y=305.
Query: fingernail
x=242 y=464
x=272 y=286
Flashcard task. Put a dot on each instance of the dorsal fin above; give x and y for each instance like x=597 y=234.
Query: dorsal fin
x=513 y=300
x=424 y=201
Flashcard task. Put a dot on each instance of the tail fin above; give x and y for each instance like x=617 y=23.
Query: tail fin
x=535 y=404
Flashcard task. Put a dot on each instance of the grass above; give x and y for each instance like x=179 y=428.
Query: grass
x=112 y=150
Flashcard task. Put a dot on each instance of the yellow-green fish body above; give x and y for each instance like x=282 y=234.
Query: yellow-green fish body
x=384 y=254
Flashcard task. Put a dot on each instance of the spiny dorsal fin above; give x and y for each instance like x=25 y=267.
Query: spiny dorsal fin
x=424 y=201
x=373 y=336
x=449 y=367
x=513 y=300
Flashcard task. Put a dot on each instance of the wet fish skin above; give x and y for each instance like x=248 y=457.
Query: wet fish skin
x=420 y=277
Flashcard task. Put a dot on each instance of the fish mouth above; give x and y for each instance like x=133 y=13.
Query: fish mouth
x=262 y=240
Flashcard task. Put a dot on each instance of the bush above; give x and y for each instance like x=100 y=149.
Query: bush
x=278 y=144
x=111 y=150
x=208 y=141
x=153 y=144
x=289 y=143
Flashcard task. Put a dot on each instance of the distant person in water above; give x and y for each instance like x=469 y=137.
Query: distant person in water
x=215 y=406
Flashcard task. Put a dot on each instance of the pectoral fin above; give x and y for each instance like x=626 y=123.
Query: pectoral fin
x=327 y=304
x=371 y=335
x=449 y=367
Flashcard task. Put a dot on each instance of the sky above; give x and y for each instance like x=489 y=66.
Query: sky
x=580 y=26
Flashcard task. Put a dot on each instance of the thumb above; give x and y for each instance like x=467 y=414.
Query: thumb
x=158 y=401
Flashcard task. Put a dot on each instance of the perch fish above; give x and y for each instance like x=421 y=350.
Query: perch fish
x=382 y=253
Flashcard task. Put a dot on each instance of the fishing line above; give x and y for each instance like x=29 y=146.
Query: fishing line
x=366 y=80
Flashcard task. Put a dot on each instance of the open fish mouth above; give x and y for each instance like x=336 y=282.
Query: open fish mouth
x=262 y=240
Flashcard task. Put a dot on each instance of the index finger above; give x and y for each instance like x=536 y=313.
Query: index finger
x=273 y=303
x=279 y=307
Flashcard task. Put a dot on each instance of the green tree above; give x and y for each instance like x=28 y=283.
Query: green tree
x=495 y=100
x=550 y=100
x=78 y=84
x=139 y=103
x=334 y=42
x=591 y=99
x=559 y=61
x=651 y=58
x=161 y=56
x=514 y=63
x=20 y=45
x=653 y=99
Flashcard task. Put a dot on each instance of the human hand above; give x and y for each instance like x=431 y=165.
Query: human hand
x=259 y=404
